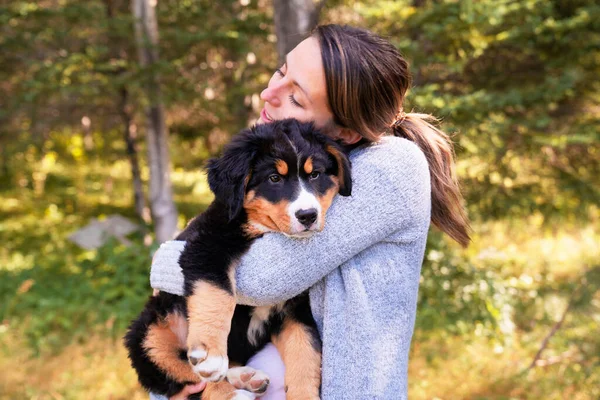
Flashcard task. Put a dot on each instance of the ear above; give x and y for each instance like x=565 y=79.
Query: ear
x=229 y=174
x=348 y=136
x=344 y=170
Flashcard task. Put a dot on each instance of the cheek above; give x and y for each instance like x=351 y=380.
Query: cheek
x=326 y=198
x=265 y=216
x=324 y=121
x=291 y=111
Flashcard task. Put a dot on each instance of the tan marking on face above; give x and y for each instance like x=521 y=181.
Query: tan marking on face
x=282 y=167
x=273 y=217
x=210 y=310
x=302 y=362
x=163 y=343
x=308 y=165
x=326 y=200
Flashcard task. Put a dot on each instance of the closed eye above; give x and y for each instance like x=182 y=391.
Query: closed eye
x=294 y=102
x=291 y=96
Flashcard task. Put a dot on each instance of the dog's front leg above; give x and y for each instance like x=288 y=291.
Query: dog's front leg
x=210 y=309
x=300 y=351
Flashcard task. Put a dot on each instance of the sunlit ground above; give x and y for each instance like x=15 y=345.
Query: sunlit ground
x=475 y=366
x=97 y=369
x=63 y=310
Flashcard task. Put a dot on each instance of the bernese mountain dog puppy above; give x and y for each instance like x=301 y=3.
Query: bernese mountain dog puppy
x=277 y=177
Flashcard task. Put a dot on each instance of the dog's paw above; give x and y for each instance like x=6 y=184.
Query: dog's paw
x=248 y=378
x=211 y=367
x=243 y=395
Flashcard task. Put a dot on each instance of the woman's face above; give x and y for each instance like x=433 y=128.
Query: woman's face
x=298 y=89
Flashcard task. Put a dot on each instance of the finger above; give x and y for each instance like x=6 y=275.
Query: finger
x=196 y=388
x=189 y=389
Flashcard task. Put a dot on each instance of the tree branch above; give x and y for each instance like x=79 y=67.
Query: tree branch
x=555 y=328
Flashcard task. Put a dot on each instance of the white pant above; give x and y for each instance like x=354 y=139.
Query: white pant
x=269 y=361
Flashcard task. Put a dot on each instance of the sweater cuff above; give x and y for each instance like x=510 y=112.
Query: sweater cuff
x=165 y=273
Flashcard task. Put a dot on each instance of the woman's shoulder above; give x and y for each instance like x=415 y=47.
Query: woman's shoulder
x=389 y=148
x=396 y=157
x=391 y=177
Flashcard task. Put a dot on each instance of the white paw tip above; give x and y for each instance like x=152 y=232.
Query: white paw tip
x=213 y=368
x=197 y=353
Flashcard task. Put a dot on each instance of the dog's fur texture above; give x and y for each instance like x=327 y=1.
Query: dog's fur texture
x=278 y=177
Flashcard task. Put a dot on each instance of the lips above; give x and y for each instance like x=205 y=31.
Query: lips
x=265 y=116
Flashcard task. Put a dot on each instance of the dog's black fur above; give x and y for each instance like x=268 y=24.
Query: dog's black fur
x=220 y=236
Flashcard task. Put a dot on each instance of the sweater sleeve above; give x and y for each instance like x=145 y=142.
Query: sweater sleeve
x=390 y=194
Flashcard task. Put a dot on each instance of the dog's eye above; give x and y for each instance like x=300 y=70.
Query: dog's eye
x=274 y=178
x=315 y=175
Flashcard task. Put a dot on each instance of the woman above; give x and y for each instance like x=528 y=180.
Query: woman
x=363 y=270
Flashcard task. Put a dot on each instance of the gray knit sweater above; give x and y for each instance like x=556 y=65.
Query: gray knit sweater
x=362 y=270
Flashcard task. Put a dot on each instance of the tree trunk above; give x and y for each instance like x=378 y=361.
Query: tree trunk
x=294 y=20
x=132 y=154
x=116 y=52
x=162 y=206
x=4 y=160
x=415 y=35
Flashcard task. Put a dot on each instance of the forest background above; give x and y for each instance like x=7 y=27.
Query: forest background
x=87 y=101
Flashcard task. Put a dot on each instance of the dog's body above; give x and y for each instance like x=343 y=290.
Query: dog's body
x=279 y=177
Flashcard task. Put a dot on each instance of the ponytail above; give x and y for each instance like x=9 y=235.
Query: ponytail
x=447 y=212
x=367 y=79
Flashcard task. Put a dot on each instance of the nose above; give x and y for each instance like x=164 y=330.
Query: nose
x=270 y=96
x=271 y=93
x=307 y=217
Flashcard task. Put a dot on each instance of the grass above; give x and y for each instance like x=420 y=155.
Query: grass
x=94 y=369
x=483 y=313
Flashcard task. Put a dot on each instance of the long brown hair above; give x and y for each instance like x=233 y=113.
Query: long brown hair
x=367 y=79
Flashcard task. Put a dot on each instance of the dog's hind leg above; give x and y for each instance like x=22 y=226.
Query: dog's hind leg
x=165 y=344
x=299 y=348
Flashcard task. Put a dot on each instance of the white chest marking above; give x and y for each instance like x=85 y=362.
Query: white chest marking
x=260 y=315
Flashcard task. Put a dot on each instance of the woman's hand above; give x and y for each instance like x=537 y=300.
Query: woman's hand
x=189 y=389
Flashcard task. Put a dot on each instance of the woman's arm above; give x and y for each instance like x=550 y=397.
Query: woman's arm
x=391 y=193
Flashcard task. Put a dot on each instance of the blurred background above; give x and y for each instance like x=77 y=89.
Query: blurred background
x=89 y=97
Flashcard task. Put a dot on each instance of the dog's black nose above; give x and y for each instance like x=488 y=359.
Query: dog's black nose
x=307 y=217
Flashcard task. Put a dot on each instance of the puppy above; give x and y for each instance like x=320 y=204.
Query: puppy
x=278 y=177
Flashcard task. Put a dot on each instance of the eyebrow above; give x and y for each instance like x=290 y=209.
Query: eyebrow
x=297 y=84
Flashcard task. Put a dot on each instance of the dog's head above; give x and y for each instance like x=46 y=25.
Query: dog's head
x=283 y=174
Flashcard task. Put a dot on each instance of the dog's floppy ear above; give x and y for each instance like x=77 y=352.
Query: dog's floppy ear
x=343 y=167
x=228 y=175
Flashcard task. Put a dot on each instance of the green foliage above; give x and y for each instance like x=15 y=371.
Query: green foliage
x=67 y=60
x=518 y=81
x=456 y=296
x=60 y=301
x=52 y=292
